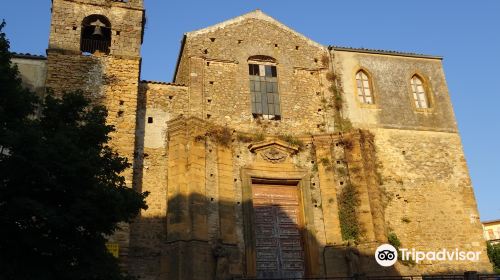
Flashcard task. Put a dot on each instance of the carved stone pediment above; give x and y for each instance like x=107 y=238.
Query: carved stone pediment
x=274 y=151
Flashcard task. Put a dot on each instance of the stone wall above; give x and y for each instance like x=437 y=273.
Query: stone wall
x=157 y=103
x=431 y=203
x=394 y=106
x=110 y=81
x=214 y=63
x=32 y=70
x=419 y=156
x=126 y=17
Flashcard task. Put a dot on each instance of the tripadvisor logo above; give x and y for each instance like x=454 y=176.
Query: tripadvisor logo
x=387 y=255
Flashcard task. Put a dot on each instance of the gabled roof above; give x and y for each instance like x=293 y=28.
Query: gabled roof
x=256 y=14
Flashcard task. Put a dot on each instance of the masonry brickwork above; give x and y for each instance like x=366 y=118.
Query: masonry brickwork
x=198 y=149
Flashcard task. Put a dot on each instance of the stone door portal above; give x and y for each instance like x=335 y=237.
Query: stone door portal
x=278 y=240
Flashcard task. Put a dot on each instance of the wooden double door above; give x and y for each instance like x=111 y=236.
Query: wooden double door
x=279 y=244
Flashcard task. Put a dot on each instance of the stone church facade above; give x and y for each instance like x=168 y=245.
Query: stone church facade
x=269 y=155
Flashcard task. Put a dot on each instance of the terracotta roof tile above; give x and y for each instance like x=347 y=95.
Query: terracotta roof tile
x=162 y=83
x=27 y=55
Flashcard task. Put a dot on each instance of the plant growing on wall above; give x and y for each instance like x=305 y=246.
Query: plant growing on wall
x=292 y=140
x=393 y=239
x=337 y=100
x=221 y=135
x=348 y=201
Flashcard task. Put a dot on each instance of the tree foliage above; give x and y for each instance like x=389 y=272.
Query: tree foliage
x=494 y=255
x=61 y=191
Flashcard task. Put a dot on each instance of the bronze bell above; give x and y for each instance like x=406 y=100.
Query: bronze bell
x=97 y=31
x=97 y=28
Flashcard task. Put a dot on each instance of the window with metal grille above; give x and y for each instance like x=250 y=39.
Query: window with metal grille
x=96 y=34
x=264 y=90
x=419 y=95
x=364 y=87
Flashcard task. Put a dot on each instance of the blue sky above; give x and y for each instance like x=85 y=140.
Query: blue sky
x=466 y=33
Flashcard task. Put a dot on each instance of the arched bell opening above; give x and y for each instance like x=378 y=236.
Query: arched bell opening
x=96 y=34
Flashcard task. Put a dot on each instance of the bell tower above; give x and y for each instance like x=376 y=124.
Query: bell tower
x=94 y=43
x=94 y=47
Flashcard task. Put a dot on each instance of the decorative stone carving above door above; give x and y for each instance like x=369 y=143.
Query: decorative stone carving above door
x=273 y=151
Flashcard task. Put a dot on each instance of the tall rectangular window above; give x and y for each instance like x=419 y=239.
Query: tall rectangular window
x=264 y=91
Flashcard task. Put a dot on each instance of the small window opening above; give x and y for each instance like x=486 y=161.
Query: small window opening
x=211 y=82
x=96 y=34
x=297 y=47
x=208 y=63
x=275 y=45
x=212 y=39
x=170 y=96
x=205 y=51
x=209 y=100
x=122 y=102
x=150 y=119
x=120 y=113
x=118 y=32
x=240 y=41
x=75 y=28
x=208 y=116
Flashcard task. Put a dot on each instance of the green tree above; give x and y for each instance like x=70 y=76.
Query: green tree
x=494 y=255
x=61 y=191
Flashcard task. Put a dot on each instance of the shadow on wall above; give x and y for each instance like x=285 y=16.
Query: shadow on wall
x=192 y=242
x=138 y=163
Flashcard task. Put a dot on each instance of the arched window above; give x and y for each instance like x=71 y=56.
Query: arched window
x=264 y=87
x=96 y=34
x=419 y=94
x=365 y=92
